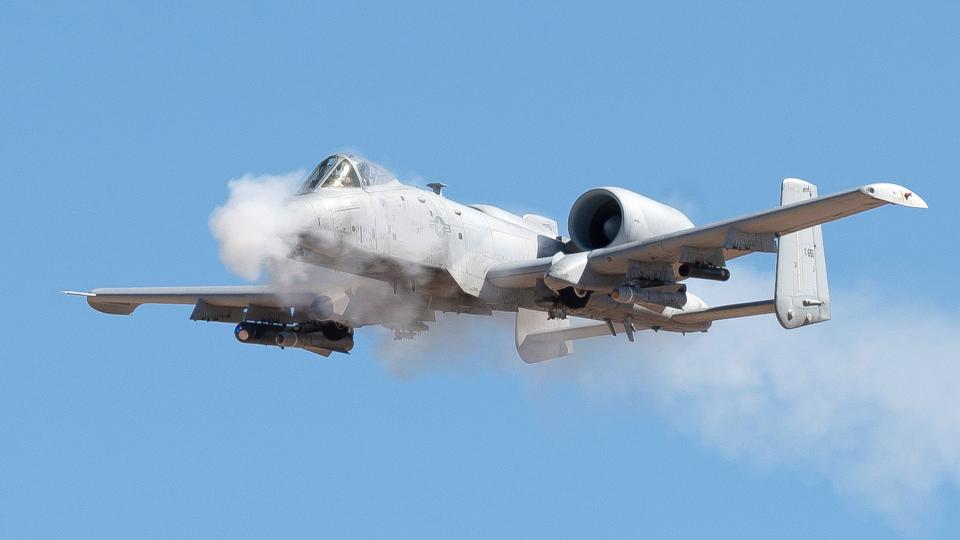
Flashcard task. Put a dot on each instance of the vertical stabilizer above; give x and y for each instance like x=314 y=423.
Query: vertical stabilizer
x=540 y=338
x=802 y=295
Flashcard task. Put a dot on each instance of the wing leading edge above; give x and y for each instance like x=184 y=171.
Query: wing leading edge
x=123 y=301
x=754 y=232
x=720 y=241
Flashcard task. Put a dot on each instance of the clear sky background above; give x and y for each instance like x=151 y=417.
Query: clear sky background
x=120 y=127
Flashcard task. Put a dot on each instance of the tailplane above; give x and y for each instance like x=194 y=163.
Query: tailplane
x=540 y=338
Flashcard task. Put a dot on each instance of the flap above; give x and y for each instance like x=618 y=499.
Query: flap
x=205 y=311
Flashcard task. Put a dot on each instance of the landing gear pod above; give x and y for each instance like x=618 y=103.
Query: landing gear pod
x=702 y=271
x=574 y=298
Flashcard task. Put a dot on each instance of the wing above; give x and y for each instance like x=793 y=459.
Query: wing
x=356 y=306
x=646 y=269
x=222 y=304
x=756 y=232
x=604 y=268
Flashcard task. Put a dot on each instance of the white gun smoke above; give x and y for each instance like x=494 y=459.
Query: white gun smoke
x=261 y=225
x=869 y=401
x=258 y=227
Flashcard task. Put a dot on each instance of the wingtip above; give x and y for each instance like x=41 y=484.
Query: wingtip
x=894 y=194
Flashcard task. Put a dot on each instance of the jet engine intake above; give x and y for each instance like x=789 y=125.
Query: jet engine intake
x=610 y=216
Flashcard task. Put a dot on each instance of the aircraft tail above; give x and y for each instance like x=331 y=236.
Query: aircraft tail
x=540 y=338
x=802 y=295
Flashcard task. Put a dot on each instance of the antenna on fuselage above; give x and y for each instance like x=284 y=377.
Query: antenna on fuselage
x=437 y=187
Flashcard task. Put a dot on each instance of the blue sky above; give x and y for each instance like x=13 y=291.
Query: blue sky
x=121 y=125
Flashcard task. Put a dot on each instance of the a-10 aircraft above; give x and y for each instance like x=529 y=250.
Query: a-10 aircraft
x=625 y=265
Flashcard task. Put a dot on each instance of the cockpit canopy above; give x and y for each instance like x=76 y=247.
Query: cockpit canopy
x=345 y=171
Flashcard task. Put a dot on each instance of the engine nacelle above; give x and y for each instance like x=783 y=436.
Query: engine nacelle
x=609 y=216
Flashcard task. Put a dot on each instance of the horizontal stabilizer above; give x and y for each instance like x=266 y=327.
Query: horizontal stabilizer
x=537 y=336
x=732 y=311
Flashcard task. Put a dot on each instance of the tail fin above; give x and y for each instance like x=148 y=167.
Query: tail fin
x=802 y=294
x=540 y=338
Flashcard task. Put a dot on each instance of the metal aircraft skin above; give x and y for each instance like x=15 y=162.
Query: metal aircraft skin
x=625 y=266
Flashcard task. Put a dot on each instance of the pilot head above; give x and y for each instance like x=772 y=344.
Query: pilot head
x=339 y=176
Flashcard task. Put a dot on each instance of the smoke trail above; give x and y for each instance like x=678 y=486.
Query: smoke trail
x=868 y=401
x=455 y=343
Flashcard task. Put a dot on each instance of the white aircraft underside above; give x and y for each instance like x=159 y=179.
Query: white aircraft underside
x=625 y=265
